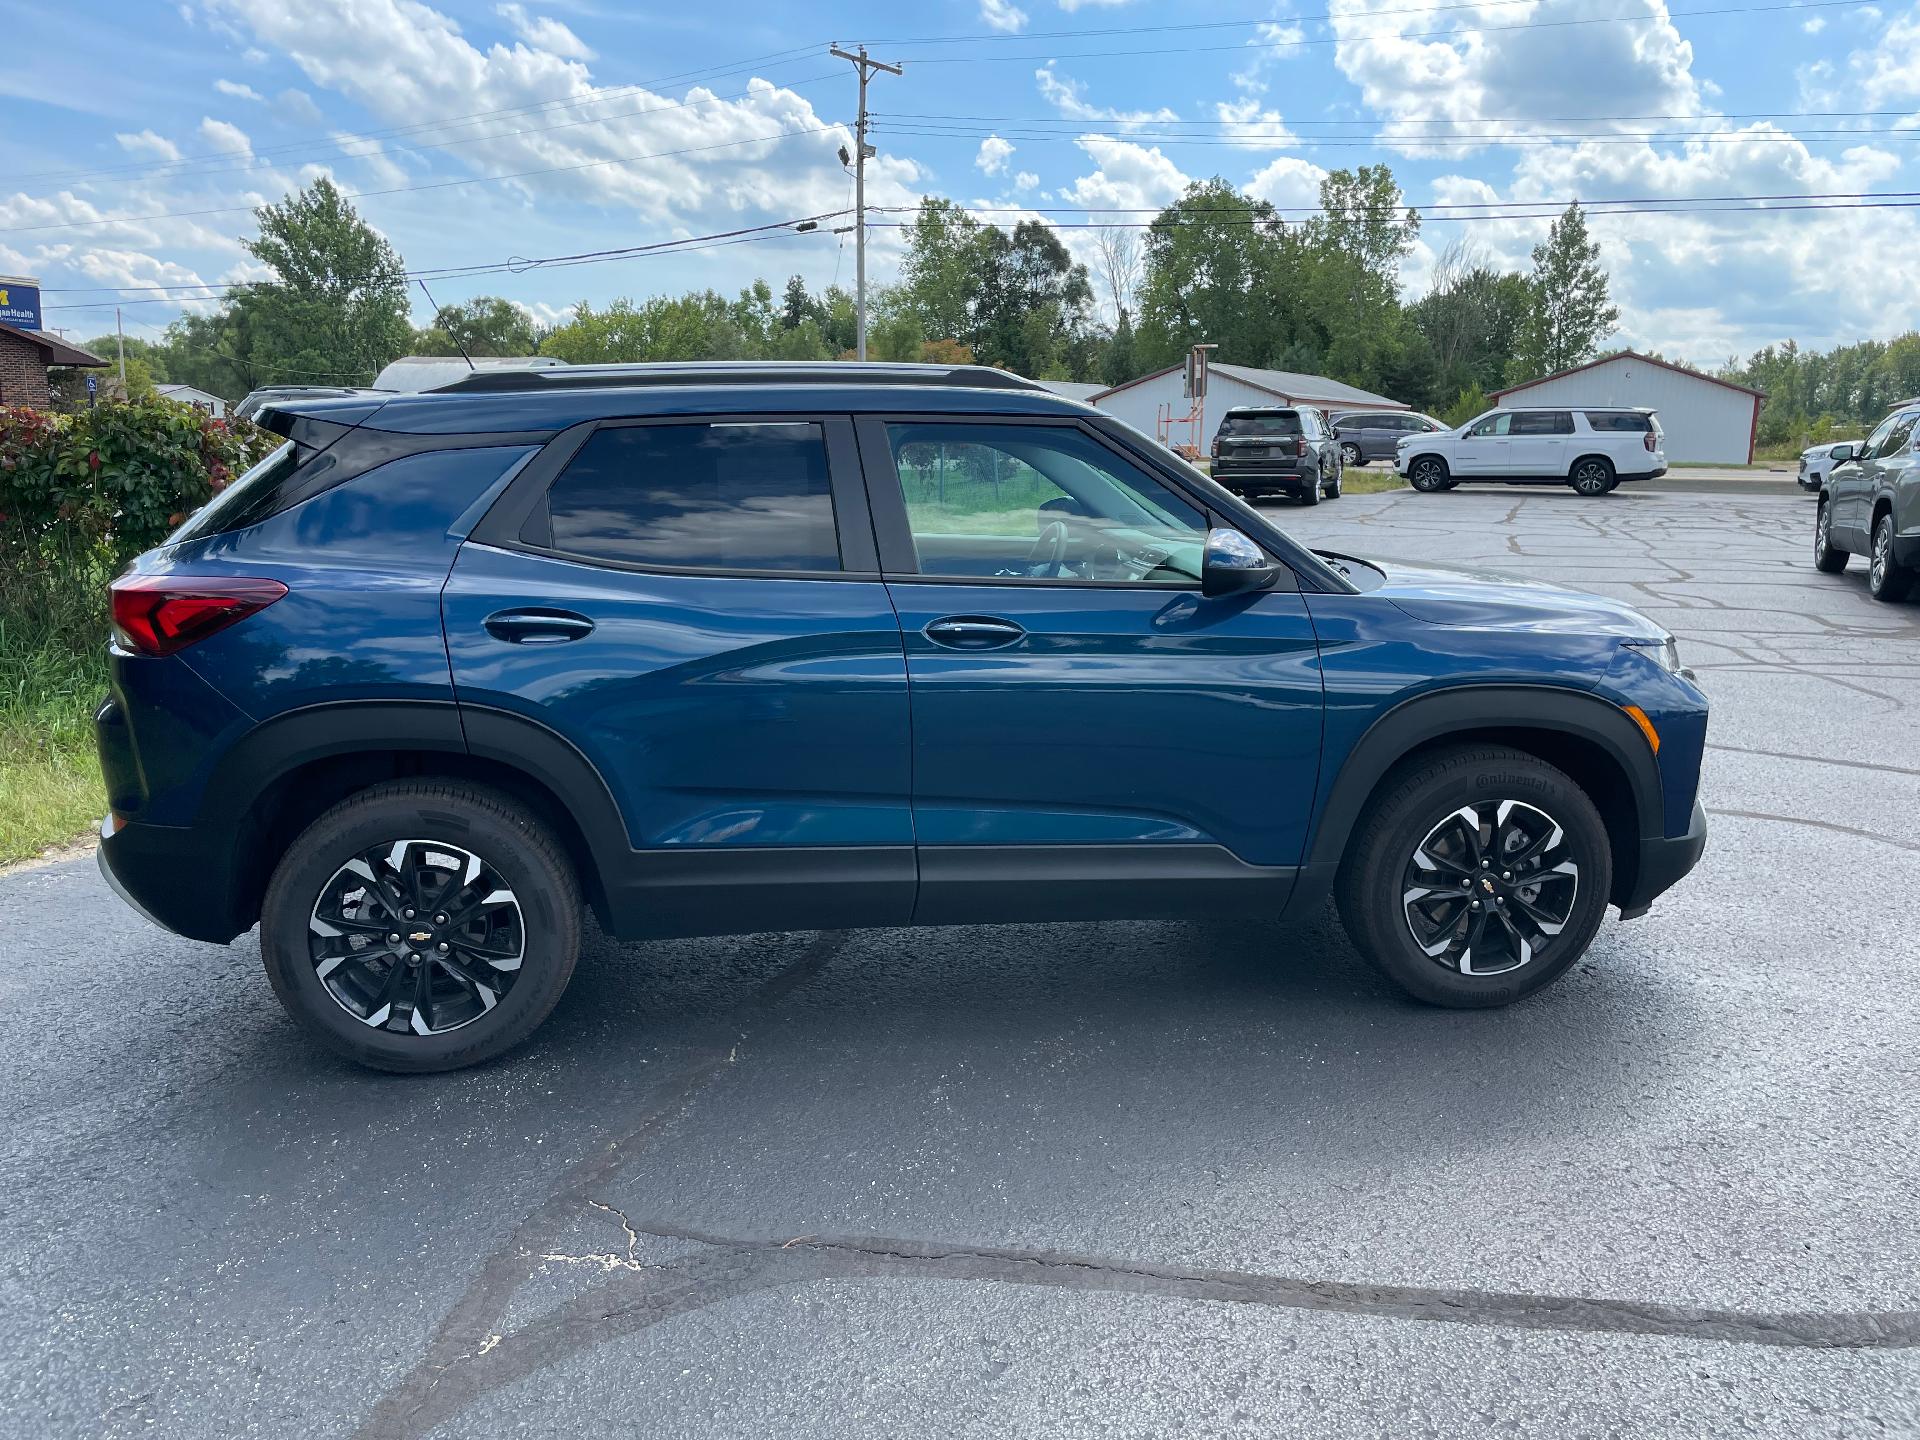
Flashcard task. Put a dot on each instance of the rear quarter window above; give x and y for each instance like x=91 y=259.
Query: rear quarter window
x=1619 y=421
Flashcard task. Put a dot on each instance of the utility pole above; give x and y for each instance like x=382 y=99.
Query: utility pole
x=861 y=150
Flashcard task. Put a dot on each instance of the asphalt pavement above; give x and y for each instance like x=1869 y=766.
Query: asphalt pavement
x=1122 y=1179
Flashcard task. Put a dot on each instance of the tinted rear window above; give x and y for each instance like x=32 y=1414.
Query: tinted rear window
x=749 y=496
x=248 y=500
x=1542 y=422
x=1285 y=423
x=1619 y=420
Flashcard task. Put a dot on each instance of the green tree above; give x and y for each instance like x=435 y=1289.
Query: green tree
x=1215 y=264
x=1569 y=314
x=485 y=325
x=1470 y=402
x=1471 y=317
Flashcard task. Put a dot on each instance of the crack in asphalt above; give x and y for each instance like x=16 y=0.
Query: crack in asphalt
x=731 y=1267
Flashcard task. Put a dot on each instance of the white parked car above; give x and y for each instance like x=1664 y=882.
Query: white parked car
x=1817 y=461
x=1591 y=449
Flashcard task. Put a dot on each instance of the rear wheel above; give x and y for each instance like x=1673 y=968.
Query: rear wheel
x=1350 y=453
x=1476 y=876
x=1428 y=474
x=1592 y=476
x=1309 y=494
x=1827 y=558
x=1887 y=578
x=421 y=925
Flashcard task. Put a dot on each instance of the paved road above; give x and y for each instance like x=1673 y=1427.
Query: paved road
x=1096 y=1180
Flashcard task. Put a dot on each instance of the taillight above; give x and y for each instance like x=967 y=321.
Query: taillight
x=1648 y=437
x=159 y=614
x=1300 y=445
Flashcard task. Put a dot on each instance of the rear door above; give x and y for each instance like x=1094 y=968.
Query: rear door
x=1485 y=449
x=1091 y=736
x=695 y=606
x=1537 y=444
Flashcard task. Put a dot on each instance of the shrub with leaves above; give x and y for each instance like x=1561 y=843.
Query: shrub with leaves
x=82 y=494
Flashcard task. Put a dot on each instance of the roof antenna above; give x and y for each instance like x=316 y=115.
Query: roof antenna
x=450 y=330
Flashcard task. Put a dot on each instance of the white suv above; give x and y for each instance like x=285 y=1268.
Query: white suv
x=1591 y=449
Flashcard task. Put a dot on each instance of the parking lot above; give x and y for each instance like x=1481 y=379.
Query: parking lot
x=1146 y=1179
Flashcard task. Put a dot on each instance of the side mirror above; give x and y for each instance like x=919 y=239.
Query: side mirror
x=1233 y=565
x=1842 y=453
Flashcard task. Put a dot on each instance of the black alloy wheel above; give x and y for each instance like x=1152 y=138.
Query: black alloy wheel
x=1491 y=888
x=1887 y=578
x=1428 y=475
x=1592 y=477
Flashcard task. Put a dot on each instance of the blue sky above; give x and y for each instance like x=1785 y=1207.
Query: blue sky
x=138 y=136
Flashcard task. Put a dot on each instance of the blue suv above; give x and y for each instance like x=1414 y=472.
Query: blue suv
x=725 y=649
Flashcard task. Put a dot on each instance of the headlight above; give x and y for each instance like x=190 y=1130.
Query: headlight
x=1664 y=653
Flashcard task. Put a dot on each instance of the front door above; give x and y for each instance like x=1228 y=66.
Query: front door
x=676 y=601
x=1850 y=489
x=1484 y=449
x=1090 y=734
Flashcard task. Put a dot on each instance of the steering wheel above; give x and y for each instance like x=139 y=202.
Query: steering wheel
x=1049 y=552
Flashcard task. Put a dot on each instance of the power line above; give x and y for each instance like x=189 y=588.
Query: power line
x=1243 y=46
x=1591 y=205
x=435 y=185
x=560 y=103
x=518 y=265
x=1552 y=213
x=343 y=144
x=1284 y=139
x=1065 y=120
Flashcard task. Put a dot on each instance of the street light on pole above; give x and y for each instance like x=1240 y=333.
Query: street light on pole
x=861 y=150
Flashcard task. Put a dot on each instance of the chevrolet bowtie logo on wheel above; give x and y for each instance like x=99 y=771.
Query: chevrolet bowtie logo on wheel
x=1485 y=884
x=420 y=937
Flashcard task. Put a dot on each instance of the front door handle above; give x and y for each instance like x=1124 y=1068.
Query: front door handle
x=537 y=627
x=973 y=632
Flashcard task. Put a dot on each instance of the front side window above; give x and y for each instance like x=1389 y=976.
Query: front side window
x=1900 y=436
x=713 y=495
x=1040 y=502
x=1493 y=425
x=1876 y=441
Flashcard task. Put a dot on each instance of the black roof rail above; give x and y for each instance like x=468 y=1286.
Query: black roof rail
x=737 y=372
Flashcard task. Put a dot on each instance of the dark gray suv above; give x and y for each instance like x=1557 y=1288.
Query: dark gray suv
x=1367 y=435
x=1870 y=505
x=1277 y=450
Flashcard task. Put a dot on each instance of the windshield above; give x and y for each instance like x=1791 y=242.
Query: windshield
x=1284 y=424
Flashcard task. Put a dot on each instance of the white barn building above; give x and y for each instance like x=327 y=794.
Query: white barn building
x=1707 y=421
x=1149 y=403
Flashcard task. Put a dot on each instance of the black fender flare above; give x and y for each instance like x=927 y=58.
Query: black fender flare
x=287 y=742
x=1463 y=710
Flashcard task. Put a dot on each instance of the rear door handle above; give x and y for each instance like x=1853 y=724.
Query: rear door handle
x=973 y=632
x=537 y=627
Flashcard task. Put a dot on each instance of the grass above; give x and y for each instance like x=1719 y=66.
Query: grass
x=50 y=788
x=1370 y=482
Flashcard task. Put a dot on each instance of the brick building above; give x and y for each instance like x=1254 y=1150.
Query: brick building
x=24 y=358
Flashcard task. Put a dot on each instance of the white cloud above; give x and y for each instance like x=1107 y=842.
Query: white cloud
x=543 y=32
x=1245 y=123
x=145 y=142
x=1069 y=97
x=298 y=106
x=239 y=91
x=992 y=159
x=1271 y=42
x=1130 y=177
x=685 y=164
x=1815 y=25
x=1002 y=15
x=1289 y=184
x=1884 y=73
x=1026 y=180
x=1071 y=5
x=225 y=139
x=1511 y=71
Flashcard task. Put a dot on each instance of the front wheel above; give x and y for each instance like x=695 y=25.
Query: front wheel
x=1429 y=475
x=1333 y=486
x=1476 y=876
x=1827 y=558
x=1887 y=578
x=421 y=925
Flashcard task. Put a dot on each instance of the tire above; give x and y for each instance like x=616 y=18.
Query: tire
x=1828 y=558
x=1429 y=476
x=445 y=1010
x=1887 y=578
x=1417 y=815
x=1339 y=480
x=1350 y=454
x=1310 y=495
x=1592 y=476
